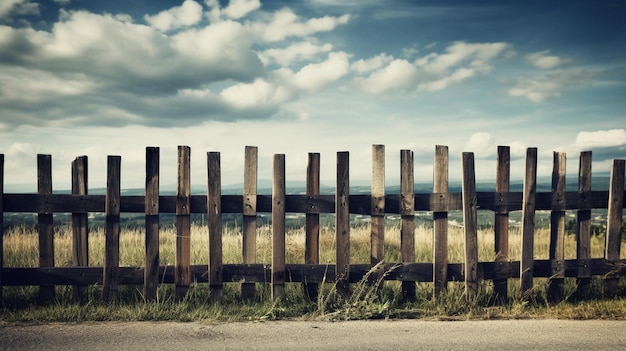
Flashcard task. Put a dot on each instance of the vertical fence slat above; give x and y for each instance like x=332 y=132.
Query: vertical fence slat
x=557 y=228
x=45 y=222
x=112 y=230
x=312 y=246
x=407 y=217
x=583 y=233
x=440 y=222
x=248 y=290
x=528 y=220
x=80 y=236
x=182 y=275
x=342 y=225
x=614 y=226
x=278 y=228
x=378 y=205
x=151 y=271
x=1 y=223
x=501 y=224
x=214 y=216
x=470 y=224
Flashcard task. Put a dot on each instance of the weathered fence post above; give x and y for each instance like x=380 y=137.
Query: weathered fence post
x=501 y=225
x=182 y=272
x=312 y=240
x=342 y=223
x=45 y=222
x=151 y=271
x=378 y=205
x=470 y=224
x=440 y=222
x=557 y=228
x=1 y=223
x=407 y=217
x=528 y=220
x=614 y=227
x=278 y=228
x=214 y=215
x=248 y=290
x=112 y=230
x=80 y=235
x=583 y=232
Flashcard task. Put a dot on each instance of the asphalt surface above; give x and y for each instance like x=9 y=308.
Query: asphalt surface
x=302 y=335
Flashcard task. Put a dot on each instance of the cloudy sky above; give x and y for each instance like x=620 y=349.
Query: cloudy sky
x=98 y=78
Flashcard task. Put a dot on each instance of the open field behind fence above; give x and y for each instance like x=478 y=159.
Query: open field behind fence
x=406 y=262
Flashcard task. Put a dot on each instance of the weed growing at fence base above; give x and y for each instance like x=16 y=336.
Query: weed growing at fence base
x=381 y=300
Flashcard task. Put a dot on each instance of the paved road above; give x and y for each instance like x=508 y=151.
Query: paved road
x=299 y=335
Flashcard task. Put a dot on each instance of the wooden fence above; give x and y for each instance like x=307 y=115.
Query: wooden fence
x=377 y=204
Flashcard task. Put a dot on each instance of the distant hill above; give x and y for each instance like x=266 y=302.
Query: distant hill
x=600 y=181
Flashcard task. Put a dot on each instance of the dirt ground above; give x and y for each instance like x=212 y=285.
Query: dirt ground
x=304 y=335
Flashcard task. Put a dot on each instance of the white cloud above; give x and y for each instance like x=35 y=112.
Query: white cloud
x=398 y=74
x=481 y=144
x=363 y=66
x=601 y=139
x=474 y=55
x=432 y=72
x=315 y=76
x=18 y=7
x=544 y=61
x=550 y=86
x=187 y=14
x=301 y=51
x=256 y=94
x=285 y=23
x=240 y=8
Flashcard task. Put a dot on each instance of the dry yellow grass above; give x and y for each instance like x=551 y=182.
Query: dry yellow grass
x=21 y=246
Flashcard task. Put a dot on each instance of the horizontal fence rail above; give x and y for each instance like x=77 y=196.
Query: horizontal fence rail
x=377 y=204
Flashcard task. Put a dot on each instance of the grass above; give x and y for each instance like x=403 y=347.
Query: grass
x=380 y=300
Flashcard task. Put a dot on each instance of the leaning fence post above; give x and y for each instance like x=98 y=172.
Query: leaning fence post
x=528 y=220
x=214 y=216
x=45 y=222
x=112 y=230
x=342 y=223
x=151 y=271
x=248 y=290
x=80 y=235
x=278 y=228
x=470 y=224
x=614 y=227
x=407 y=215
x=557 y=228
x=583 y=233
